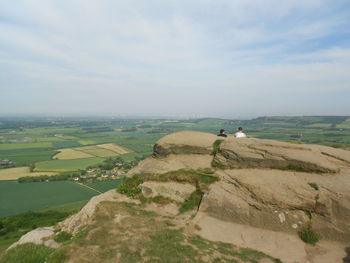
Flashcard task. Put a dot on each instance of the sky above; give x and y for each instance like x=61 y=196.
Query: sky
x=192 y=58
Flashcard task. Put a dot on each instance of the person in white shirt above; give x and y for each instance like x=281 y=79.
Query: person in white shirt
x=240 y=133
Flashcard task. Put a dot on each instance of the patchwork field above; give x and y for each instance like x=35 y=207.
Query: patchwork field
x=66 y=165
x=115 y=148
x=101 y=150
x=14 y=146
x=15 y=173
x=68 y=154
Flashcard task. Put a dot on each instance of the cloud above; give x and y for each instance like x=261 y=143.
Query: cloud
x=191 y=57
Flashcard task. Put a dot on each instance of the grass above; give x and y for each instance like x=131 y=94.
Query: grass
x=314 y=186
x=27 y=158
x=15 y=173
x=27 y=253
x=63 y=237
x=16 y=146
x=144 y=236
x=308 y=235
x=67 y=165
x=216 y=146
x=201 y=179
x=13 y=227
x=35 y=196
x=104 y=186
x=192 y=202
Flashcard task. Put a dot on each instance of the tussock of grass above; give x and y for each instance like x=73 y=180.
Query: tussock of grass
x=216 y=146
x=314 y=186
x=308 y=235
x=192 y=202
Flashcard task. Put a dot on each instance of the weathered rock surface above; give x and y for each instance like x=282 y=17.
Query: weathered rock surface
x=172 y=162
x=172 y=190
x=40 y=236
x=251 y=153
x=274 y=187
x=282 y=201
x=185 y=142
x=85 y=216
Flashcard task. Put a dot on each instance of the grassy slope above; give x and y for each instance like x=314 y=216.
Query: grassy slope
x=141 y=236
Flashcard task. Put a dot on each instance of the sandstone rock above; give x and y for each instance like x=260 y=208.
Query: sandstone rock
x=40 y=236
x=185 y=142
x=85 y=216
x=251 y=153
x=282 y=201
x=171 y=163
x=172 y=190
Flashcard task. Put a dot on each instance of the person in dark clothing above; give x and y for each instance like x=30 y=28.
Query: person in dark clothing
x=222 y=133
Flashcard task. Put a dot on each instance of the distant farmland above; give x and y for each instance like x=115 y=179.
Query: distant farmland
x=21 y=197
x=15 y=173
x=101 y=150
x=66 y=165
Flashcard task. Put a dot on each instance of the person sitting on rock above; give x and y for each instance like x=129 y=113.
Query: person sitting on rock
x=222 y=133
x=240 y=133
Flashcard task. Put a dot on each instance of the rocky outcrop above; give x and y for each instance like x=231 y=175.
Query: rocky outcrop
x=277 y=187
x=282 y=201
x=185 y=142
x=258 y=153
x=85 y=216
x=172 y=190
x=40 y=236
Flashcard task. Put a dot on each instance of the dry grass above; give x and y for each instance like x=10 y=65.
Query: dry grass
x=101 y=150
x=115 y=148
x=125 y=233
x=68 y=154
x=15 y=173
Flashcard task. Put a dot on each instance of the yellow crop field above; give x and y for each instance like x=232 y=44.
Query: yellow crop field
x=100 y=150
x=115 y=148
x=15 y=173
x=69 y=153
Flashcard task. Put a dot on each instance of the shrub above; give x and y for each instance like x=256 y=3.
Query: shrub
x=130 y=186
x=308 y=235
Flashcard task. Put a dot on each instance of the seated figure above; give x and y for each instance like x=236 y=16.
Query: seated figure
x=240 y=133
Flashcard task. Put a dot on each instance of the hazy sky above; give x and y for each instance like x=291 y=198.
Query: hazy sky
x=234 y=58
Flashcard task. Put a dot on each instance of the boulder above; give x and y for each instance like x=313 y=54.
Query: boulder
x=185 y=142
x=40 y=236
x=172 y=190
x=85 y=216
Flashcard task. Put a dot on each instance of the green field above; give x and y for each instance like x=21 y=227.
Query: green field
x=27 y=158
x=67 y=165
x=63 y=196
x=20 y=197
x=105 y=185
x=15 y=146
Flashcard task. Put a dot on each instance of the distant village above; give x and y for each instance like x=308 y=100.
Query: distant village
x=6 y=163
